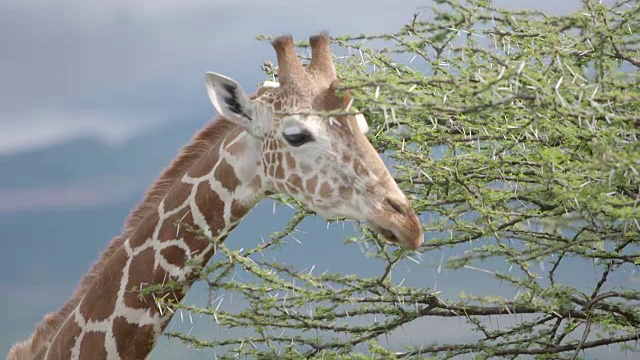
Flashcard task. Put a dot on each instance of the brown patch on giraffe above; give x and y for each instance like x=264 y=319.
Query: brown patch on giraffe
x=145 y=231
x=279 y=174
x=305 y=168
x=346 y=158
x=295 y=181
x=210 y=205
x=178 y=196
x=256 y=183
x=62 y=348
x=175 y=256
x=325 y=190
x=92 y=346
x=177 y=226
x=142 y=273
x=133 y=342
x=279 y=158
x=142 y=263
x=359 y=168
x=237 y=148
x=277 y=105
x=181 y=226
x=345 y=192
x=311 y=184
x=204 y=166
x=237 y=210
x=226 y=174
x=291 y=162
x=100 y=301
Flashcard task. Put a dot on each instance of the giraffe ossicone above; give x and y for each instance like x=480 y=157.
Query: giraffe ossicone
x=283 y=139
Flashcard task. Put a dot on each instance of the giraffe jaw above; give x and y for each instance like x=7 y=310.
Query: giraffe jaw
x=397 y=237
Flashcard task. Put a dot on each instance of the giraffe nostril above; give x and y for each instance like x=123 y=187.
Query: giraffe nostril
x=396 y=206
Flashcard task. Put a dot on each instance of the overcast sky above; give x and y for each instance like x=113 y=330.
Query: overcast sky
x=109 y=69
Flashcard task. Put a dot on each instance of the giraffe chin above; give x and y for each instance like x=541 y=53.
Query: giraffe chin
x=410 y=243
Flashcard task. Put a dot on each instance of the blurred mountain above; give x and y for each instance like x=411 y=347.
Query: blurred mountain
x=89 y=158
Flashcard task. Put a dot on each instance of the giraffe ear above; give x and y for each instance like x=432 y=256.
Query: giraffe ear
x=229 y=99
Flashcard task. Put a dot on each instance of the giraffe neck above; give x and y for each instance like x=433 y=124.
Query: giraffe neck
x=113 y=320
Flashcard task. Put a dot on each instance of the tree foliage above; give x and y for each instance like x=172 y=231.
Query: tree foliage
x=515 y=134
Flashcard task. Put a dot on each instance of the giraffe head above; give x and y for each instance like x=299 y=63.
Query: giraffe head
x=322 y=160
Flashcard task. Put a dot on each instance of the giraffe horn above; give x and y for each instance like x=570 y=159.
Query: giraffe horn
x=290 y=69
x=321 y=58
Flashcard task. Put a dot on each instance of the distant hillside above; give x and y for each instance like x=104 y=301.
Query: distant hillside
x=88 y=158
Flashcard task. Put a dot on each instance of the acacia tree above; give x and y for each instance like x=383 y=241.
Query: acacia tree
x=515 y=133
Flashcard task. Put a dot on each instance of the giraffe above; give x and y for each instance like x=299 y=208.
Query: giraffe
x=280 y=140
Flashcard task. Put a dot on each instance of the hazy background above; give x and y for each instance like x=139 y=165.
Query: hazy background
x=96 y=97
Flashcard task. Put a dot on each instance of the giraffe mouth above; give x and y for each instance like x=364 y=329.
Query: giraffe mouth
x=411 y=242
x=387 y=234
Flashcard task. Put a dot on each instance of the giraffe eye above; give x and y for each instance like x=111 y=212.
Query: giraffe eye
x=298 y=138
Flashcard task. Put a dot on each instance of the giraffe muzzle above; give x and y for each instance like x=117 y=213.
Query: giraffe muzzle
x=398 y=223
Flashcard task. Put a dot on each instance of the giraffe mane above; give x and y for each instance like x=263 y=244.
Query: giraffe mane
x=200 y=144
